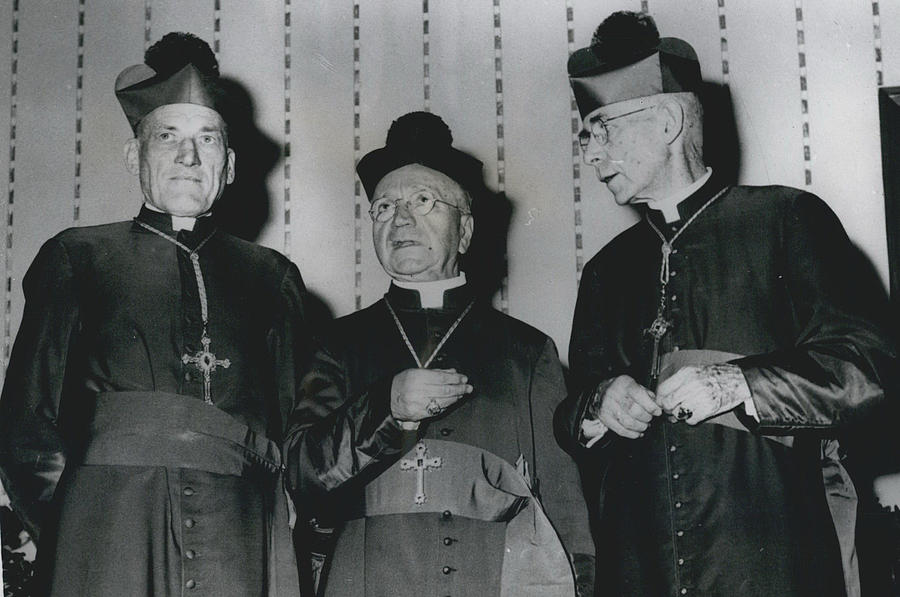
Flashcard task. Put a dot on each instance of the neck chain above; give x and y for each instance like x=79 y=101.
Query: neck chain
x=661 y=325
x=203 y=359
x=440 y=345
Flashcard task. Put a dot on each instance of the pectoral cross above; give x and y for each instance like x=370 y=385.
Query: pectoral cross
x=657 y=330
x=206 y=362
x=420 y=464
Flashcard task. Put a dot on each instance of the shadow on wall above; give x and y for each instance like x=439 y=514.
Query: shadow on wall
x=485 y=262
x=245 y=206
x=721 y=149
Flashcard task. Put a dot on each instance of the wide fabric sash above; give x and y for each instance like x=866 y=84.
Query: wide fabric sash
x=840 y=493
x=673 y=361
x=477 y=484
x=174 y=431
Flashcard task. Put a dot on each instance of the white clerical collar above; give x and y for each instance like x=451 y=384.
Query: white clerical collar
x=178 y=222
x=669 y=205
x=431 y=294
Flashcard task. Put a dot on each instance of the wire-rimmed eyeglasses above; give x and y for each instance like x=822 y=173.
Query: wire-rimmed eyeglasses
x=599 y=131
x=383 y=208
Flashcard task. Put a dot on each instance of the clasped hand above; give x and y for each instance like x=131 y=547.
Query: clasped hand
x=418 y=394
x=693 y=394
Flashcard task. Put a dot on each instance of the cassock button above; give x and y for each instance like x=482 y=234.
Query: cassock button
x=679 y=533
x=672 y=274
x=189 y=523
x=448 y=541
x=188 y=491
x=190 y=554
x=446 y=431
x=675 y=476
x=677 y=505
x=446 y=569
x=672 y=448
x=187 y=376
x=681 y=561
x=683 y=591
x=190 y=584
x=674 y=297
x=446 y=515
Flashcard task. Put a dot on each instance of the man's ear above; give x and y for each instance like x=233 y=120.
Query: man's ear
x=673 y=119
x=229 y=167
x=466 y=227
x=133 y=156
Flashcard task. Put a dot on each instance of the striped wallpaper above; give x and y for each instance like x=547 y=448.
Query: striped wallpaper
x=324 y=80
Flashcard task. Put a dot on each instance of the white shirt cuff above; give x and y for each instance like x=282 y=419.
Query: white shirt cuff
x=592 y=432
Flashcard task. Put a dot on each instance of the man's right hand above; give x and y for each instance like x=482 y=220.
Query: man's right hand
x=413 y=390
x=624 y=406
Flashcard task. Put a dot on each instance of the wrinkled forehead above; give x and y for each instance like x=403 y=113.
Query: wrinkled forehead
x=187 y=117
x=412 y=177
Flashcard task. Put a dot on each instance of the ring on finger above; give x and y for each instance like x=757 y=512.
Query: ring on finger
x=683 y=413
x=434 y=408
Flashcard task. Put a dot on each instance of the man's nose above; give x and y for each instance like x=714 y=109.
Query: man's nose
x=187 y=153
x=402 y=213
x=594 y=153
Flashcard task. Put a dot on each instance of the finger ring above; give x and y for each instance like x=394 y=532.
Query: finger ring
x=434 y=408
x=683 y=413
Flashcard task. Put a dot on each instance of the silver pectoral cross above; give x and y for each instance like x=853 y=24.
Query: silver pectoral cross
x=420 y=464
x=657 y=330
x=206 y=362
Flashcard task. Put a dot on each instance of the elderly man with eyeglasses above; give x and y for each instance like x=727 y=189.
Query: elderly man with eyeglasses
x=424 y=431
x=719 y=348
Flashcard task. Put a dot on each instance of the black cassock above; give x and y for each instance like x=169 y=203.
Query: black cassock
x=345 y=449
x=766 y=273
x=136 y=486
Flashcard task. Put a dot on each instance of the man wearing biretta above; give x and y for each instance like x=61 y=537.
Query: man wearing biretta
x=424 y=430
x=719 y=347
x=142 y=415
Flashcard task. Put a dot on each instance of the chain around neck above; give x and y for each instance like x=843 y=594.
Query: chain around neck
x=666 y=247
x=195 y=262
x=440 y=345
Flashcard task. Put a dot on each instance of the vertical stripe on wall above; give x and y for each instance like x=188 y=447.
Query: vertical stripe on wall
x=876 y=35
x=11 y=179
x=287 y=128
x=148 y=20
x=576 y=153
x=426 y=60
x=217 y=25
x=501 y=144
x=804 y=95
x=723 y=42
x=357 y=190
x=79 y=94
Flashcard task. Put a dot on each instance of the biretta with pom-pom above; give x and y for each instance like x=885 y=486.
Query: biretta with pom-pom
x=627 y=59
x=179 y=69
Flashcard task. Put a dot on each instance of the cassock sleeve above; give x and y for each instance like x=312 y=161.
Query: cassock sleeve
x=32 y=452
x=334 y=436
x=560 y=487
x=841 y=359
x=291 y=341
x=589 y=364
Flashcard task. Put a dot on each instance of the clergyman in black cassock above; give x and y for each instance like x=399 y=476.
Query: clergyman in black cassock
x=424 y=430
x=719 y=346
x=156 y=363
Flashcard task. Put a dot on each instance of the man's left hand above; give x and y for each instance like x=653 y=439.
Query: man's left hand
x=698 y=392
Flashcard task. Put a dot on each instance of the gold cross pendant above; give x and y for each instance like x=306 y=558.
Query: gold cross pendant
x=206 y=362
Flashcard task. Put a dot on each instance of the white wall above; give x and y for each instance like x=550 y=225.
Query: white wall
x=495 y=72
